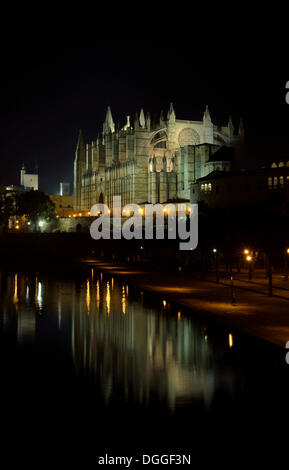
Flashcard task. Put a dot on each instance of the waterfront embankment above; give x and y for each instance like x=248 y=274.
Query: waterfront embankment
x=252 y=312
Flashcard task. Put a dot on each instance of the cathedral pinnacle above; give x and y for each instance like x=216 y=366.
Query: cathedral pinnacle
x=108 y=124
x=80 y=142
x=171 y=116
x=207 y=116
x=142 y=119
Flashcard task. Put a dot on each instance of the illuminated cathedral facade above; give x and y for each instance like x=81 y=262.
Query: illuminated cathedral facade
x=152 y=162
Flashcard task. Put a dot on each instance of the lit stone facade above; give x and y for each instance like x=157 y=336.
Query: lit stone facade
x=150 y=162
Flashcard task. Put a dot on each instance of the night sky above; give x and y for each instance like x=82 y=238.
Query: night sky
x=60 y=74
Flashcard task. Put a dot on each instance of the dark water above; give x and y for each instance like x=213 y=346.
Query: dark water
x=89 y=365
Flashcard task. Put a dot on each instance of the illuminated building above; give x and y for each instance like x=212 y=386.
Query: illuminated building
x=150 y=161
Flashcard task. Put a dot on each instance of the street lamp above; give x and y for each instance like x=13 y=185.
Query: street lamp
x=215 y=251
x=249 y=259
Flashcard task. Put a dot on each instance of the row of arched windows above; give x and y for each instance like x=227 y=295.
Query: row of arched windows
x=277 y=181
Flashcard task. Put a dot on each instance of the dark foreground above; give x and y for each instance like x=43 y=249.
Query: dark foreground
x=90 y=365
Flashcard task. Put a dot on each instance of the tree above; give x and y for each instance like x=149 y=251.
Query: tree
x=35 y=205
x=7 y=208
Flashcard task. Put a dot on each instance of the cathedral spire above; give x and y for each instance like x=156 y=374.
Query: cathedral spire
x=207 y=116
x=80 y=148
x=80 y=142
x=136 y=121
x=162 y=119
x=108 y=123
x=142 y=120
x=171 y=116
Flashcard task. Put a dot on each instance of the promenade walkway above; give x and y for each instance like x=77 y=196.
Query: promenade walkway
x=254 y=311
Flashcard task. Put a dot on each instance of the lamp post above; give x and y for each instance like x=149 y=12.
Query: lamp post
x=232 y=289
x=249 y=259
x=286 y=263
x=215 y=251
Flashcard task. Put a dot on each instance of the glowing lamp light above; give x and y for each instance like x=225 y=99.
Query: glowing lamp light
x=214 y=250
x=164 y=303
x=80 y=214
x=249 y=258
x=41 y=223
x=287 y=250
x=246 y=252
x=231 y=340
x=28 y=223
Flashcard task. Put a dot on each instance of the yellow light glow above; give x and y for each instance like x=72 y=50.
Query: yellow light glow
x=246 y=252
x=123 y=300
x=88 y=213
x=164 y=303
x=97 y=293
x=74 y=215
x=80 y=214
x=15 y=297
x=231 y=340
x=108 y=298
x=248 y=258
x=17 y=227
x=287 y=250
x=179 y=315
x=88 y=295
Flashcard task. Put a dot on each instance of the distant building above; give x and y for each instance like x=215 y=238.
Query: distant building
x=63 y=205
x=235 y=189
x=64 y=189
x=28 y=180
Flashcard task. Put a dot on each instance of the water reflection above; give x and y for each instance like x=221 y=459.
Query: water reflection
x=126 y=347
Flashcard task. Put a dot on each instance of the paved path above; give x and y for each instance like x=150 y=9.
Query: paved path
x=254 y=312
x=258 y=283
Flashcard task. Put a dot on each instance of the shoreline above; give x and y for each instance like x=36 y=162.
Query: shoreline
x=254 y=313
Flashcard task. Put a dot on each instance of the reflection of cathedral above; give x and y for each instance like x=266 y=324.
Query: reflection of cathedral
x=128 y=350
x=131 y=350
x=151 y=162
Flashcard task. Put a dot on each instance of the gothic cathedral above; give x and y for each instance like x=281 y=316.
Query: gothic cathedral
x=152 y=162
